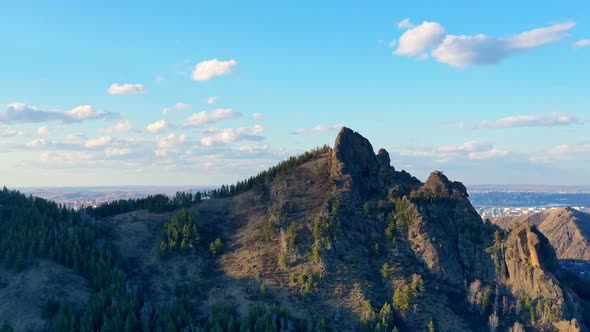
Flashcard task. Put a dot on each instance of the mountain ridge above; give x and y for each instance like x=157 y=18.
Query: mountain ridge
x=342 y=238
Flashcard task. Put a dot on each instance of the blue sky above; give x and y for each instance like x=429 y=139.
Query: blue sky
x=109 y=93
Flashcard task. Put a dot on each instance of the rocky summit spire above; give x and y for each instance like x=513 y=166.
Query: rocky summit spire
x=354 y=163
x=439 y=184
x=383 y=159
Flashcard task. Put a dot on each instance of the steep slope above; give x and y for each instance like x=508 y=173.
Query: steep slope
x=344 y=236
x=23 y=293
x=568 y=230
x=506 y=221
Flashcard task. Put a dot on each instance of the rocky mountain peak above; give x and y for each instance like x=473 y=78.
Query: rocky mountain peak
x=439 y=184
x=383 y=159
x=354 y=162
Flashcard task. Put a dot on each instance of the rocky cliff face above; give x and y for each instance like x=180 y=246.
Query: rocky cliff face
x=567 y=230
x=528 y=266
x=354 y=163
x=356 y=168
x=449 y=234
x=528 y=258
x=440 y=232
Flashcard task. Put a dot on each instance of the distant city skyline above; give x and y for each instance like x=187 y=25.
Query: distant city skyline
x=208 y=93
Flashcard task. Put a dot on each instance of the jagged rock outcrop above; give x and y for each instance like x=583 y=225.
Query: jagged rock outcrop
x=355 y=167
x=528 y=265
x=384 y=160
x=567 y=230
x=354 y=163
x=439 y=185
x=528 y=257
x=449 y=235
x=443 y=236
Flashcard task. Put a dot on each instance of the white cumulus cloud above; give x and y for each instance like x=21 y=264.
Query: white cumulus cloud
x=472 y=50
x=84 y=112
x=416 y=40
x=206 y=70
x=168 y=144
x=158 y=126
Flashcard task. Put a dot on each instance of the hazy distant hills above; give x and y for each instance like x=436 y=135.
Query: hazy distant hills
x=106 y=193
x=568 y=230
x=530 y=188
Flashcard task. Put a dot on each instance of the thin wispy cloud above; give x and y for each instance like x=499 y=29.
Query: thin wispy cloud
x=571 y=150
x=405 y=24
x=126 y=89
x=6 y=131
x=231 y=135
x=37 y=143
x=43 y=131
x=66 y=160
x=489 y=154
x=208 y=117
x=180 y=106
x=98 y=142
x=321 y=128
x=121 y=127
x=471 y=150
x=431 y=39
x=538 y=120
x=23 y=113
x=117 y=152
x=209 y=69
x=581 y=43
x=563 y=152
